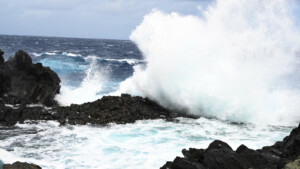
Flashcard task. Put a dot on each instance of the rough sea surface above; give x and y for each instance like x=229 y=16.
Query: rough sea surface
x=90 y=66
x=96 y=67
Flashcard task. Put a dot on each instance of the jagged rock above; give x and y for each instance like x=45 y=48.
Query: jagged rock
x=219 y=155
x=124 y=109
x=109 y=109
x=1 y=76
x=22 y=82
x=1 y=57
x=20 y=165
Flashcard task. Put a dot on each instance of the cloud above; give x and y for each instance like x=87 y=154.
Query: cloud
x=82 y=18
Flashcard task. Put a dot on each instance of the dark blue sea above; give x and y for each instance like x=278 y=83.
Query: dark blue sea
x=71 y=58
x=94 y=64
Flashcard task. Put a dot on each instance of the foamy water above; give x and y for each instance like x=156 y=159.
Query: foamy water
x=144 y=144
x=237 y=62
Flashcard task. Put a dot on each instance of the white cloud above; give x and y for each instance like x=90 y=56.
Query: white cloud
x=102 y=18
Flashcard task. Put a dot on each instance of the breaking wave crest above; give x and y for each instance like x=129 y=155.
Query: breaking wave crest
x=89 y=89
x=237 y=62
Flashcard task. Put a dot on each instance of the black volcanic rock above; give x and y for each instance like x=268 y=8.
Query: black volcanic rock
x=1 y=76
x=1 y=57
x=109 y=109
x=219 y=155
x=22 y=82
x=121 y=110
x=20 y=165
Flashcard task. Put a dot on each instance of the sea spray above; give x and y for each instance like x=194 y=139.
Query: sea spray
x=236 y=62
x=89 y=88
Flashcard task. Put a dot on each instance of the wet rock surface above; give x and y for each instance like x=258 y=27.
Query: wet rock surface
x=1 y=57
x=120 y=110
x=22 y=82
x=109 y=109
x=21 y=165
x=26 y=89
x=219 y=155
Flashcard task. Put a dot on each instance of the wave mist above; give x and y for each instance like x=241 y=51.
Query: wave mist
x=90 y=88
x=237 y=62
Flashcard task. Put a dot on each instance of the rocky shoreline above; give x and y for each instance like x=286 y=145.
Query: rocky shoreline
x=219 y=155
x=26 y=89
x=27 y=92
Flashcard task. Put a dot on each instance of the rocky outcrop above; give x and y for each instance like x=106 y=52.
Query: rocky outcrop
x=20 y=165
x=109 y=109
x=10 y=115
x=120 y=110
x=219 y=155
x=23 y=82
x=1 y=58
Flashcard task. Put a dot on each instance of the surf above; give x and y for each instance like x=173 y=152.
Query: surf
x=238 y=61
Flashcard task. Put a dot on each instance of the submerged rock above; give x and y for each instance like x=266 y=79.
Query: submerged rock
x=219 y=155
x=20 y=165
x=22 y=82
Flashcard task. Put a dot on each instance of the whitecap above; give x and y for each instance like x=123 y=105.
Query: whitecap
x=71 y=54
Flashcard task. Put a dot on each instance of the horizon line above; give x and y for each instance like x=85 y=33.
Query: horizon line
x=67 y=37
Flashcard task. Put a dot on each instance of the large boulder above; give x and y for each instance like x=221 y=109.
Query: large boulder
x=22 y=82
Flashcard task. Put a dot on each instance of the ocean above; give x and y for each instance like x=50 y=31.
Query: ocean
x=91 y=68
x=236 y=65
x=96 y=65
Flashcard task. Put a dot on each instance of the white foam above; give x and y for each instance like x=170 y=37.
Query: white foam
x=232 y=63
x=71 y=54
x=7 y=157
x=46 y=53
x=36 y=54
x=12 y=106
x=38 y=105
x=129 y=61
x=50 y=53
x=146 y=143
x=89 y=88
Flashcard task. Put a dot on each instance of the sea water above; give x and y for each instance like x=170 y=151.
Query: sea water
x=98 y=70
x=237 y=62
x=144 y=144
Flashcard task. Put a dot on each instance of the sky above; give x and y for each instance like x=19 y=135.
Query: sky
x=102 y=19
